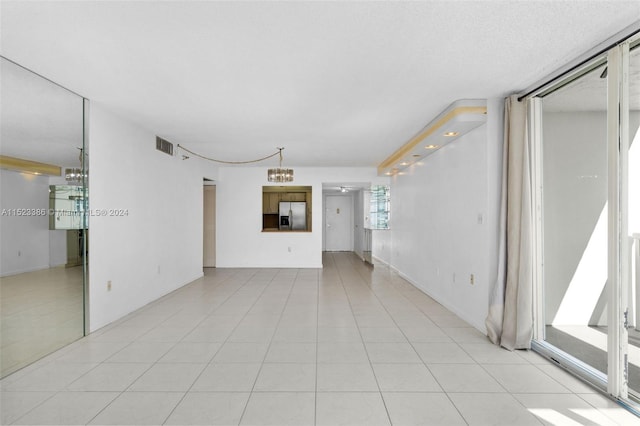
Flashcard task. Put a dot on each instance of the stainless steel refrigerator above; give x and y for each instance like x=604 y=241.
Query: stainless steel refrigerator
x=293 y=215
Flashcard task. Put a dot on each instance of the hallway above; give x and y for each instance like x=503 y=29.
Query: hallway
x=347 y=344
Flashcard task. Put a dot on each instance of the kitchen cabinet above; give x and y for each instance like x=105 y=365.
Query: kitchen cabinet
x=270 y=202
x=293 y=196
x=272 y=196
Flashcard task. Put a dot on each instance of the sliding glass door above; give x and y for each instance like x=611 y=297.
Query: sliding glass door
x=633 y=223
x=574 y=218
x=584 y=129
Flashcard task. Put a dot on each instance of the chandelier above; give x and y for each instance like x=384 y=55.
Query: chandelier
x=75 y=175
x=279 y=174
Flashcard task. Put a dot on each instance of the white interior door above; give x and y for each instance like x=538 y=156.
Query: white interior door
x=338 y=223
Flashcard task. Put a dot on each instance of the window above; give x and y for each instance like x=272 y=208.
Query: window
x=379 y=210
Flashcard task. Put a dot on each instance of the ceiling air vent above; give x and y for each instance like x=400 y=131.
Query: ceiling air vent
x=164 y=145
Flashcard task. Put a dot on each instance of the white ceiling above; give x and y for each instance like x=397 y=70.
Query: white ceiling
x=40 y=120
x=336 y=83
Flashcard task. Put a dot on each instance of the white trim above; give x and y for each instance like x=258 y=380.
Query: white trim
x=481 y=327
x=616 y=385
x=578 y=367
x=623 y=240
x=534 y=129
x=383 y=262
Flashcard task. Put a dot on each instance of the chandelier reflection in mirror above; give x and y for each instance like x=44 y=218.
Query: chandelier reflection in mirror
x=280 y=174
x=74 y=175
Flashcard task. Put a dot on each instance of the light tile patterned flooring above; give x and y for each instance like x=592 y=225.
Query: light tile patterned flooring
x=344 y=345
x=40 y=312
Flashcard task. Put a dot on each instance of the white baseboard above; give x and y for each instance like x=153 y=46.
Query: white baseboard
x=480 y=327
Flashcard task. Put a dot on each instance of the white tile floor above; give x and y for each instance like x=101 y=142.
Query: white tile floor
x=40 y=312
x=343 y=345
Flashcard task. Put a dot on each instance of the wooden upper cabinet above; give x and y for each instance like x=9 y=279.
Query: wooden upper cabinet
x=270 y=202
x=293 y=196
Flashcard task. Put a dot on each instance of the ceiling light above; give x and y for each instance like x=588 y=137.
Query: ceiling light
x=343 y=189
x=462 y=115
x=279 y=174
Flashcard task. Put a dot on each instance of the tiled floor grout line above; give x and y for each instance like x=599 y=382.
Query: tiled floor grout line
x=457 y=344
x=384 y=310
x=384 y=403
x=275 y=330
x=61 y=352
x=221 y=345
x=156 y=362
x=414 y=349
x=468 y=354
x=46 y=301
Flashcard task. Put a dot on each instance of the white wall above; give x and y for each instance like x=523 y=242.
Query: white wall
x=437 y=241
x=157 y=247
x=24 y=239
x=240 y=240
x=381 y=244
x=359 y=214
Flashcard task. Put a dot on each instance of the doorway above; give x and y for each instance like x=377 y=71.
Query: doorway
x=209 y=225
x=587 y=208
x=338 y=229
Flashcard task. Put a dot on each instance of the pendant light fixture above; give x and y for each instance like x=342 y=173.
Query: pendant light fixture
x=275 y=174
x=75 y=175
x=278 y=174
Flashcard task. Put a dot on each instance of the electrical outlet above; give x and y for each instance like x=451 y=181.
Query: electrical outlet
x=109 y=285
x=472 y=279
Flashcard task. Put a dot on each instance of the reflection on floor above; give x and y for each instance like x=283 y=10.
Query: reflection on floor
x=40 y=312
x=344 y=345
x=589 y=345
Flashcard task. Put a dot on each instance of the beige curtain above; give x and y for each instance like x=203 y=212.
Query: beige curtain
x=510 y=319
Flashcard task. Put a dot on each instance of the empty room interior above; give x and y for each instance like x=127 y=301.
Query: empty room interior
x=320 y=213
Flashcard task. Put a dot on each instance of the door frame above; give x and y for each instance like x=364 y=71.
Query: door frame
x=615 y=382
x=324 y=218
x=208 y=189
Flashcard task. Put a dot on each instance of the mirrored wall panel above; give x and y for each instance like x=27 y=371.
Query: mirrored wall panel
x=43 y=197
